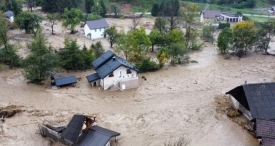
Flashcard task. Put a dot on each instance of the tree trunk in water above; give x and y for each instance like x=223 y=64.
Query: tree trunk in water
x=152 y=48
x=52 y=29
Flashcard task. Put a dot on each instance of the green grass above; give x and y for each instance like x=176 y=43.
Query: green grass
x=259 y=19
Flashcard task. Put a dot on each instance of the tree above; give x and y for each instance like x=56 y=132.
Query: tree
x=189 y=13
x=29 y=21
x=39 y=65
x=115 y=10
x=225 y=39
x=112 y=35
x=52 y=18
x=163 y=56
x=72 y=18
x=264 y=35
x=155 y=38
x=14 y=6
x=244 y=37
x=170 y=9
x=177 y=50
x=58 y=6
x=160 y=24
x=97 y=9
x=88 y=5
x=97 y=49
x=124 y=44
x=93 y=17
x=31 y=4
x=88 y=56
x=71 y=57
x=175 y=36
x=208 y=33
x=135 y=23
x=103 y=7
x=155 y=10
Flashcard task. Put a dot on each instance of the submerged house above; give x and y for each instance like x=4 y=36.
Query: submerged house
x=63 y=81
x=75 y=135
x=228 y=17
x=209 y=14
x=265 y=131
x=95 y=29
x=113 y=73
x=9 y=16
x=256 y=101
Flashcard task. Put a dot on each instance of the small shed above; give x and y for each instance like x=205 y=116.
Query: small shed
x=95 y=29
x=256 y=101
x=63 y=81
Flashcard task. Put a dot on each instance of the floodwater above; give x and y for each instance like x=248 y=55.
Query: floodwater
x=181 y=101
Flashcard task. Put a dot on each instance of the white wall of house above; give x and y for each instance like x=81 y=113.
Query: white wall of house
x=237 y=105
x=202 y=19
x=108 y=143
x=11 y=19
x=120 y=74
x=95 y=33
x=231 y=19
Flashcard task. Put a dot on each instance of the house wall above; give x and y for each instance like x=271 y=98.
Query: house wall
x=95 y=33
x=120 y=74
x=201 y=20
x=231 y=19
x=237 y=105
x=11 y=19
x=108 y=143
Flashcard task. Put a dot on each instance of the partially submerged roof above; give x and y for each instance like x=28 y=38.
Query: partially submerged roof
x=96 y=136
x=101 y=23
x=102 y=59
x=8 y=13
x=268 y=142
x=265 y=128
x=257 y=98
x=93 y=77
x=211 y=13
x=111 y=65
x=73 y=129
x=63 y=81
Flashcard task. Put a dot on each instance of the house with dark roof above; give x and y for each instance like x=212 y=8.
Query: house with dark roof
x=63 y=81
x=113 y=73
x=256 y=101
x=75 y=135
x=210 y=14
x=95 y=29
x=228 y=17
x=10 y=16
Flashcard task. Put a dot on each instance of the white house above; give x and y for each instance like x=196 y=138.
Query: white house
x=9 y=15
x=209 y=14
x=113 y=73
x=95 y=29
x=231 y=17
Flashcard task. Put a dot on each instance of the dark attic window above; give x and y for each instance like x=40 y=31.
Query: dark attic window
x=111 y=74
x=129 y=71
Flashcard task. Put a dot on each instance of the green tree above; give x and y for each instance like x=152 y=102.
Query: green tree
x=177 y=50
x=170 y=9
x=208 y=33
x=124 y=44
x=103 y=7
x=93 y=17
x=155 y=10
x=59 y=6
x=264 y=35
x=156 y=38
x=88 y=5
x=97 y=49
x=88 y=56
x=163 y=56
x=244 y=37
x=112 y=35
x=225 y=39
x=71 y=57
x=14 y=6
x=175 y=36
x=28 y=21
x=115 y=10
x=160 y=24
x=72 y=18
x=39 y=65
x=52 y=18
x=97 y=9
x=189 y=13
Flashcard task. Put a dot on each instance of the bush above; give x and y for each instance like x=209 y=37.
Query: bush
x=147 y=65
x=10 y=57
x=223 y=25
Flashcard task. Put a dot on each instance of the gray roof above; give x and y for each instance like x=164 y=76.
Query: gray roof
x=230 y=15
x=92 y=77
x=211 y=13
x=257 y=98
x=268 y=142
x=96 y=136
x=265 y=128
x=73 y=129
x=102 y=59
x=8 y=13
x=111 y=65
x=101 y=23
x=63 y=81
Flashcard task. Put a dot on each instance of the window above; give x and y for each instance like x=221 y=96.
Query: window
x=111 y=74
x=129 y=71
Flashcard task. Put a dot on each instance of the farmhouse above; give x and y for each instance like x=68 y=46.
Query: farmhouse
x=256 y=101
x=9 y=15
x=210 y=14
x=95 y=29
x=228 y=17
x=113 y=73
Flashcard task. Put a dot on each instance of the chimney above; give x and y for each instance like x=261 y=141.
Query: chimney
x=114 y=58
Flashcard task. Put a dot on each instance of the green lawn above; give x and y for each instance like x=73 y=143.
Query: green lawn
x=259 y=19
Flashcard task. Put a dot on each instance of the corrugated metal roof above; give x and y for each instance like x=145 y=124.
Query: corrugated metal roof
x=257 y=98
x=65 y=81
x=211 y=13
x=92 y=77
x=102 y=59
x=101 y=23
x=265 y=128
x=268 y=142
x=96 y=136
x=8 y=13
x=73 y=129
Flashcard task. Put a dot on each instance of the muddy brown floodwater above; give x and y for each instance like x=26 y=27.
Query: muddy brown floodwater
x=180 y=101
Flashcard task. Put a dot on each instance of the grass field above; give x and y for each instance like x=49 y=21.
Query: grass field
x=259 y=19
